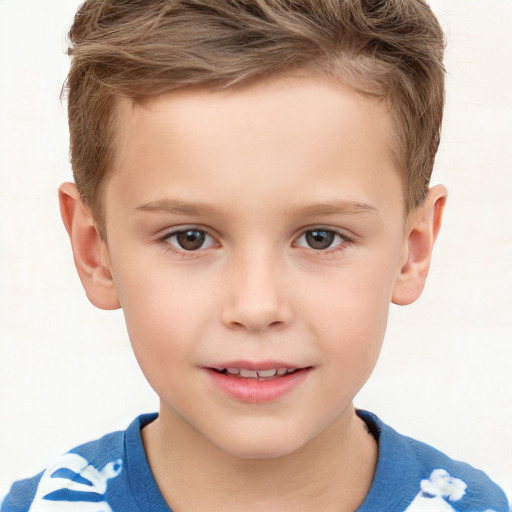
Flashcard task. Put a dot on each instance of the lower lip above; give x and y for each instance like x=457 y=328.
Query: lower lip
x=256 y=391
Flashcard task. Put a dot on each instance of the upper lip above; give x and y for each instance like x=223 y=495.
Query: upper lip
x=257 y=365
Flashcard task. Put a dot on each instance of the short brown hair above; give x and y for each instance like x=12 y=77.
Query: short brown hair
x=389 y=49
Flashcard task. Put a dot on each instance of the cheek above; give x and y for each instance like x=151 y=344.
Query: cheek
x=353 y=336
x=353 y=298
x=349 y=311
x=164 y=315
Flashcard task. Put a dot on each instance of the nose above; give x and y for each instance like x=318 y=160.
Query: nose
x=255 y=294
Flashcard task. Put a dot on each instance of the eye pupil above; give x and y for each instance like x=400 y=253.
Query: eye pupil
x=319 y=239
x=191 y=239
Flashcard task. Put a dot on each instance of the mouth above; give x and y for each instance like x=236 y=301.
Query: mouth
x=260 y=375
x=258 y=383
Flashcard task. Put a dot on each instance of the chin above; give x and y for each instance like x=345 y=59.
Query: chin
x=261 y=445
x=258 y=451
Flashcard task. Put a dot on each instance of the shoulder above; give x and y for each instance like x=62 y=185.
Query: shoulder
x=418 y=477
x=88 y=474
x=455 y=481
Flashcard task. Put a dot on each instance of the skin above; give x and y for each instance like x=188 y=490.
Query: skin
x=256 y=170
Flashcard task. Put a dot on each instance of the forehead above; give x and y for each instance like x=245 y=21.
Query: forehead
x=316 y=99
x=300 y=133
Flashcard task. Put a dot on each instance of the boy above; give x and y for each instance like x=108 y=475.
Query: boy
x=253 y=191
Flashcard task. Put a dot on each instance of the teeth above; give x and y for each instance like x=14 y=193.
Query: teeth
x=267 y=373
x=254 y=374
x=248 y=373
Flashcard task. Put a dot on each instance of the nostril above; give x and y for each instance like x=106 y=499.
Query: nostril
x=253 y=313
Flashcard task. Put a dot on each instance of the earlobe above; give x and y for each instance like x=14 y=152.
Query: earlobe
x=422 y=231
x=89 y=250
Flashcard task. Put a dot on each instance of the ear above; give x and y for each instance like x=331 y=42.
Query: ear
x=422 y=230
x=90 y=252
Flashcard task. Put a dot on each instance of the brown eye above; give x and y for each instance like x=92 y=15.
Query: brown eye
x=190 y=240
x=319 y=239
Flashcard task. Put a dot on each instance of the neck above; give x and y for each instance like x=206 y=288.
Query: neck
x=333 y=472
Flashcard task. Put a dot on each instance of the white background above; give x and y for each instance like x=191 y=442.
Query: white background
x=67 y=374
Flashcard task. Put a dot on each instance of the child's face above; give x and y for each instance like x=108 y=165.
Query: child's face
x=256 y=229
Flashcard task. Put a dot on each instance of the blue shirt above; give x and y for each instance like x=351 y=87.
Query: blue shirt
x=112 y=474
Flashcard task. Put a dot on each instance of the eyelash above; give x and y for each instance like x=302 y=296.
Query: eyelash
x=174 y=233
x=341 y=245
x=332 y=249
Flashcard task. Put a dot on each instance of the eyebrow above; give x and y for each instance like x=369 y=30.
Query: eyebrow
x=337 y=208
x=176 y=207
